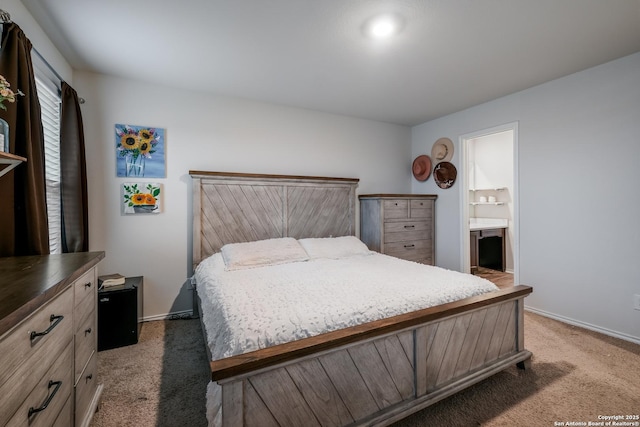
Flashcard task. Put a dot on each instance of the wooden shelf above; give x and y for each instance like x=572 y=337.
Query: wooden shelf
x=488 y=189
x=9 y=161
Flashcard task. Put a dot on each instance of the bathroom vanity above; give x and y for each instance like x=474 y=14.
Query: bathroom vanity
x=487 y=242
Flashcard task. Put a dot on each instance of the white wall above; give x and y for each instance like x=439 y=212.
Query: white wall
x=40 y=41
x=578 y=155
x=205 y=132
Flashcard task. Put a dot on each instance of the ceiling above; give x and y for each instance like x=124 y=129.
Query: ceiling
x=450 y=54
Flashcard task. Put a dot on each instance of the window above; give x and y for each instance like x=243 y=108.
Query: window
x=49 y=97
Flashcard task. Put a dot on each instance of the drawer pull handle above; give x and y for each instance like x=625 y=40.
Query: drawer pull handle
x=87 y=285
x=87 y=331
x=409 y=226
x=55 y=319
x=409 y=246
x=57 y=384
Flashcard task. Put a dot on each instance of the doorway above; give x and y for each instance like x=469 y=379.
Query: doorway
x=489 y=198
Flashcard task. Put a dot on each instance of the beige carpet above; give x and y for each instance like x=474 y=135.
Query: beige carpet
x=576 y=376
x=160 y=381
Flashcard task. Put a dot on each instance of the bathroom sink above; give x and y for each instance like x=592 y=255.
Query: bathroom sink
x=487 y=223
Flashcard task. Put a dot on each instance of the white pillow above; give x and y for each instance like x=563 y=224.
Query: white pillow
x=262 y=253
x=334 y=247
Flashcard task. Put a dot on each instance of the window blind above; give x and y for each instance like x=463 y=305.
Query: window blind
x=50 y=105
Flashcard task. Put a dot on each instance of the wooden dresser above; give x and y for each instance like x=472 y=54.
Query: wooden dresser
x=48 y=340
x=400 y=225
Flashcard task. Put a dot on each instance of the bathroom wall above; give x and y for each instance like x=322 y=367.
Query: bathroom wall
x=491 y=166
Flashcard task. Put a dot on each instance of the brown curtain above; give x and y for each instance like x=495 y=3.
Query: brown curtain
x=75 y=225
x=24 y=228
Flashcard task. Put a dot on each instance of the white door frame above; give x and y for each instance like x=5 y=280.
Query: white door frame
x=465 y=244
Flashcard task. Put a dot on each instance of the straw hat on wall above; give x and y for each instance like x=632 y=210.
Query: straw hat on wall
x=442 y=150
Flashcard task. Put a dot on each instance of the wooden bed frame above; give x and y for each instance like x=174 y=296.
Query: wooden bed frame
x=371 y=374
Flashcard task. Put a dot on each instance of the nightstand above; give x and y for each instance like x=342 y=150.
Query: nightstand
x=120 y=314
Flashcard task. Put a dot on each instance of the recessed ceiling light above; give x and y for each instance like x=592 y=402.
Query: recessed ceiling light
x=383 y=26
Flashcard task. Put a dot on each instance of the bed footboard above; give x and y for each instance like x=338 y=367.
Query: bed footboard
x=377 y=373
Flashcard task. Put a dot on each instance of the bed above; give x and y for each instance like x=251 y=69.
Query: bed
x=372 y=372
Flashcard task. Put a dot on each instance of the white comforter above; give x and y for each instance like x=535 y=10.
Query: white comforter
x=249 y=309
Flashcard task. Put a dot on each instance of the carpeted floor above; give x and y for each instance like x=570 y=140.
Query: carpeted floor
x=160 y=381
x=576 y=376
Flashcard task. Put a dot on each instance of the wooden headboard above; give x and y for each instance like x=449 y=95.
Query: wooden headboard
x=238 y=207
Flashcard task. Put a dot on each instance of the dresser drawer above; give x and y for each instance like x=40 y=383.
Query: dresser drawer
x=421 y=209
x=65 y=417
x=407 y=226
x=396 y=209
x=86 y=391
x=416 y=250
x=17 y=347
x=54 y=387
x=85 y=343
x=83 y=311
x=85 y=287
x=406 y=232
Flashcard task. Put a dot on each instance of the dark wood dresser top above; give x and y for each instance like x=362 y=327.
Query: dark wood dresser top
x=28 y=282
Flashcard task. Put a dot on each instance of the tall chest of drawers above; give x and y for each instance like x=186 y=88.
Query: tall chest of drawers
x=400 y=225
x=48 y=340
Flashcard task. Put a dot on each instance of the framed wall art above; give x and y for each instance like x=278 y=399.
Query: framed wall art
x=141 y=198
x=140 y=151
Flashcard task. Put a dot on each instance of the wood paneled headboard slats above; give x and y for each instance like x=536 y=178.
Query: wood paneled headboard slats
x=234 y=207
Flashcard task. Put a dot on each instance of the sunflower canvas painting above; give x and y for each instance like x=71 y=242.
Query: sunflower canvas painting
x=141 y=197
x=140 y=151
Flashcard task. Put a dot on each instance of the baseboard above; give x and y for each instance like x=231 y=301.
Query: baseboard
x=589 y=326
x=184 y=314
